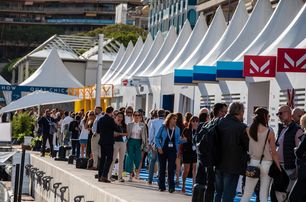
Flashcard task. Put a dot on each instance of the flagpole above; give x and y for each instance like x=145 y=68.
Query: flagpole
x=99 y=70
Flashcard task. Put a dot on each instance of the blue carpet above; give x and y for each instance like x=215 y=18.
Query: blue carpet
x=144 y=176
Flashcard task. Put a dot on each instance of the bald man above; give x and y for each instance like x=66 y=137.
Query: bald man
x=288 y=138
x=297 y=113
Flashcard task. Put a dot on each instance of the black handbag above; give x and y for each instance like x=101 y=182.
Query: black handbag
x=254 y=171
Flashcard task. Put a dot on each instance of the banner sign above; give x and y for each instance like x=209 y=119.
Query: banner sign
x=204 y=74
x=229 y=70
x=183 y=76
x=16 y=90
x=291 y=60
x=259 y=66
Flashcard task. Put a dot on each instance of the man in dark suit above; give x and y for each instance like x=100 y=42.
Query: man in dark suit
x=106 y=127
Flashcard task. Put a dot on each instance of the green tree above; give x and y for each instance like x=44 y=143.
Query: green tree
x=120 y=32
x=6 y=72
x=23 y=125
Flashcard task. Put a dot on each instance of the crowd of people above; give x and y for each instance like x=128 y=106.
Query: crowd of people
x=215 y=148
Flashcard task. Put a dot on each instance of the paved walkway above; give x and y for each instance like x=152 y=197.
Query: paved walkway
x=82 y=182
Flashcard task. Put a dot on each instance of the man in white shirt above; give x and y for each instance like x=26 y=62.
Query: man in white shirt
x=95 y=147
x=128 y=115
x=65 y=126
x=153 y=130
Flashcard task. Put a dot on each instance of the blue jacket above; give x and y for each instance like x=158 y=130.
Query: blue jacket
x=162 y=135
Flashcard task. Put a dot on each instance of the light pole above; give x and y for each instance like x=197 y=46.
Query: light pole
x=99 y=70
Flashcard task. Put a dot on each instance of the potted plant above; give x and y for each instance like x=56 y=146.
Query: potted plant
x=23 y=126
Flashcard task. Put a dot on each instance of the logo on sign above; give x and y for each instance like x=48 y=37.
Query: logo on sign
x=259 y=66
x=125 y=82
x=291 y=60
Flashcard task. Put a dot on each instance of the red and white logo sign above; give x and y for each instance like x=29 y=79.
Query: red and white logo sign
x=259 y=66
x=125 y=82
x=291 y=60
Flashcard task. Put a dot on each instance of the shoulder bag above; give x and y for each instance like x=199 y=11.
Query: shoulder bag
x=254 y=171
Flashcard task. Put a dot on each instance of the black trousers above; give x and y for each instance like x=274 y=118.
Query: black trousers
x=106 y=159
x=206 y=176
x=298 y=191
x=75 y=144
x=170 y=156
x=44 y=142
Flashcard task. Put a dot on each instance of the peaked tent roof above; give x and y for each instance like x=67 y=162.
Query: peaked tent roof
x=130 y=60
x=126 y=55
x=38 y=98
x=52 y=73
x=258 y=19
x=302 y=44
x=163 y=51
x=212 y=36
x=3 y=81
x=237 y=23
x=177 y=47
x=157 y=43
x=116 y=62
x=286 y=11
x=292 y=36
x=193 y=41
x=142 y=54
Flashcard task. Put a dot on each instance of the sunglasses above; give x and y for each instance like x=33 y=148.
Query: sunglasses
x=136 y=114
x=280 y=113
x=91 y=114
x=195 y=121
x=128 y=112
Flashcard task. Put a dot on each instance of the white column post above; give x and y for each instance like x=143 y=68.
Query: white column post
x=27 y=70
x=99 y=70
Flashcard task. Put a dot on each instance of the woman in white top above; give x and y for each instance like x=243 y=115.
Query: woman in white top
x=137 y=141
x=258 y=133
x=84 y=135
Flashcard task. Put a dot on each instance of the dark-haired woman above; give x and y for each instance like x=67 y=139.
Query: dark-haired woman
x=120 y=145
x=189 y=150
x=258 y=133
x=167 y=142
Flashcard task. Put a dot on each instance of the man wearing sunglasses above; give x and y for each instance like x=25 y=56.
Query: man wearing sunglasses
x=288 y=138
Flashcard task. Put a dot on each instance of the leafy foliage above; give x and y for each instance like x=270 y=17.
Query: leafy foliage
x=120 y=32
x=23 y=125
x=7 y=70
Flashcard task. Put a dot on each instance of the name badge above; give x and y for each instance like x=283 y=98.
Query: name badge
x=194 y=148
x=170 y=144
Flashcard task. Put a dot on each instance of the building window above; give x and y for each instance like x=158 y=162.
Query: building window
x=192 y=2
x=192 y=17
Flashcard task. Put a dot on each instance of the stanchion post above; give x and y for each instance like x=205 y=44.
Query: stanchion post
x=16 y=181
x=21 y=174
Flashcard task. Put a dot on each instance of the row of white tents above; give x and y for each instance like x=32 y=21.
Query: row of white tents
x=151 y=64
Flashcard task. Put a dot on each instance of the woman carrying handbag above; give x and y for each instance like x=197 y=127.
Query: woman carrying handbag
x=262 y=152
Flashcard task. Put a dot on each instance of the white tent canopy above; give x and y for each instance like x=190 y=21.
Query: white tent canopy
x=3 y=81
x=256 y=22
x=63 y=54
x=193 y=41
x=292 y=36
x=130 y=60
x=286 y=11
x=177 y=47
x=212 y=36
x=126 y=55
x=237 y=23
x=156 y=45
x=52 y=73
x=38 y=98
x=302 y=44
x=116 y=62
x=142 y=54
x=164 y=50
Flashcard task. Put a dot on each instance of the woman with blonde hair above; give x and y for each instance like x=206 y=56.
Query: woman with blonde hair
x=167 y=142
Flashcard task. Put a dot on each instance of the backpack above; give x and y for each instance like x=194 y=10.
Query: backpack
x=207 y=140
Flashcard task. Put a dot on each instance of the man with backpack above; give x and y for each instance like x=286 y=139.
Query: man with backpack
x=206 y=142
